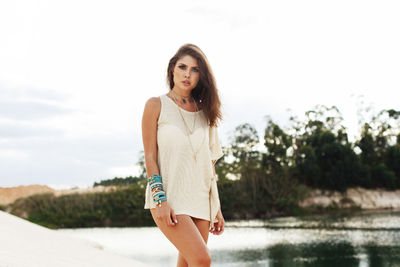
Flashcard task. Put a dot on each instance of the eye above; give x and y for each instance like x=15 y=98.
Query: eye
x=196 y=69
x=182 y=67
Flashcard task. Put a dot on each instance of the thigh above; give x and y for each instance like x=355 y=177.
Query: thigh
x=184 y=236
x=203 y=227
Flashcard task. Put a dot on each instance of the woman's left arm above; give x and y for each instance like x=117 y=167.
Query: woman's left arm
x=220 y=225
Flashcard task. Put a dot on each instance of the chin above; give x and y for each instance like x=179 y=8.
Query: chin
x=187 y=89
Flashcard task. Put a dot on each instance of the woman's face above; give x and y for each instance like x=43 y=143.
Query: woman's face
x=186 y=73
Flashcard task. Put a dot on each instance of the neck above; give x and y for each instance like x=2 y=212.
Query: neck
x=181 y=93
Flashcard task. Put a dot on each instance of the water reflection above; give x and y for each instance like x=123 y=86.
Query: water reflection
x=325 y=254
x=362 y=240
x=322 y=254
x=383 y=256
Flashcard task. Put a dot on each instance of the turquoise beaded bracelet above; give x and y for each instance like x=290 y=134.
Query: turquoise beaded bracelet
x=157 y=191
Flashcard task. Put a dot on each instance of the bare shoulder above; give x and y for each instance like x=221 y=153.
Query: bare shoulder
x=153 y=106
x=154 y=100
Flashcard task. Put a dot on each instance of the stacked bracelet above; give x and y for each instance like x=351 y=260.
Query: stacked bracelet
x=157 y=191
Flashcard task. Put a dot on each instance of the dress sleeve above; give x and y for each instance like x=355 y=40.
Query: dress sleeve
x=215 y=146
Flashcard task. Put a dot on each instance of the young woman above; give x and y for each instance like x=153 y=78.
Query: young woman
x=181 y=146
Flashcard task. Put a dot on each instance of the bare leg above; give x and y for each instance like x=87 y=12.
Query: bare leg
x=181 y=261
x=187 y=239
x=202 y=226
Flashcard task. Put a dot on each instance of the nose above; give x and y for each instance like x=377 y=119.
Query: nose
x=186 y=74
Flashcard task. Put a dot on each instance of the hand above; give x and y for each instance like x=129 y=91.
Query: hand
x=166 y=214
x=218 y=227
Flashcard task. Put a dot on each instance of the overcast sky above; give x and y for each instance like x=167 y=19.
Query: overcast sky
x=74 y=75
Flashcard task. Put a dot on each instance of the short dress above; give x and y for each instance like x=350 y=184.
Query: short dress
x=188 y=181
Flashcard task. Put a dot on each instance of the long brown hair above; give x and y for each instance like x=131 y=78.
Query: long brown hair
x=205 y=93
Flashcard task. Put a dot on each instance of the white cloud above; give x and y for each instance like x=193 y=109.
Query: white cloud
x=30 y=110
x=124 y=171
x=13 y=130
x=13 y=154
x=74 y=76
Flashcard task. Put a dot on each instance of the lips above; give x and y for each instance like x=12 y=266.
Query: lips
x=186 y=82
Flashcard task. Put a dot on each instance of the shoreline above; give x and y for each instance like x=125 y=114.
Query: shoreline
x=353 y=198
x=318 y=201
x=32 y=245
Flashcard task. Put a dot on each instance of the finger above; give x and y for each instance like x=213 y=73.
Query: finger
x=167 y=220
x=170 y=222
x=222 y=229
x=173 y=216
x=215 y=227
x=219 y=226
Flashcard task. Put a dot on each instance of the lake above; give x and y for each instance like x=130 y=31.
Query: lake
x=363 y=239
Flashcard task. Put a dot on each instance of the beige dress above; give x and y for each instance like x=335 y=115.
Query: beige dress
x=189 y=183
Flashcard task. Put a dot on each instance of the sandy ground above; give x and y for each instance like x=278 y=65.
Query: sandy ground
x=24 y=244
x=364 y=198
x=9 y=194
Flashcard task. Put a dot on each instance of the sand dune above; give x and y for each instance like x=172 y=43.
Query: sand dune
x=24 y=244
x=9 y=194
x=366 y=199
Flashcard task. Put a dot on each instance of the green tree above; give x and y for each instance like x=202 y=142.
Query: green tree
x=378 y=144
x=245 y=165
x=282 y=190
x=323 y=155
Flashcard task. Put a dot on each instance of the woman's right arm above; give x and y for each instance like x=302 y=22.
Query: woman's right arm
x=150 y=117
x=149 y=134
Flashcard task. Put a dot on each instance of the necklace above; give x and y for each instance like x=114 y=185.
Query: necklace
x=190 y=132
x=183 y=98
x=194 y=121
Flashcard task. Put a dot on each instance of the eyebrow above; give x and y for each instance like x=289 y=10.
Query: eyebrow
x=186 y=65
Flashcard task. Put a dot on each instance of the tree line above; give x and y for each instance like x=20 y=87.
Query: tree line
x=272 y=175
x=257 y=178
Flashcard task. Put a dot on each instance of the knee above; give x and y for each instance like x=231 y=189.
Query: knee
x=202 y=259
